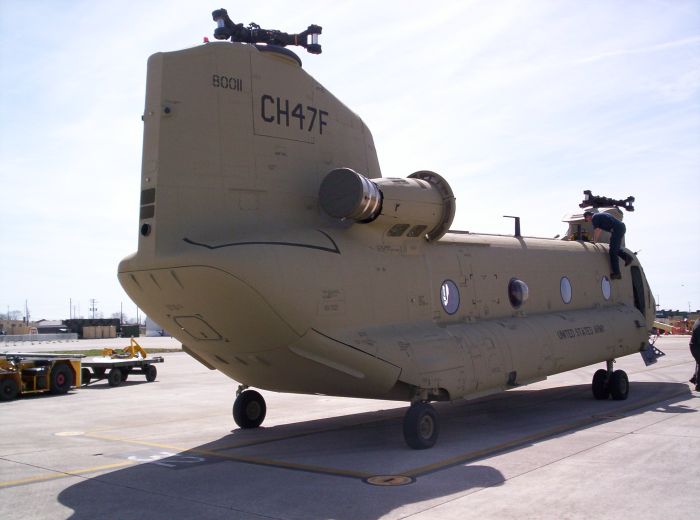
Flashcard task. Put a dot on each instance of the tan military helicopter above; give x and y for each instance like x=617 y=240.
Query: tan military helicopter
x=273 y=248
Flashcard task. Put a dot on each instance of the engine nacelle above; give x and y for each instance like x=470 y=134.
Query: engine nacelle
x=422 y=205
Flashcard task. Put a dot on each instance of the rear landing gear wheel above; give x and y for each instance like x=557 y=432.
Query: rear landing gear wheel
x=249 y=409
x=600 y=386
x=420 y=426
x=619 y=385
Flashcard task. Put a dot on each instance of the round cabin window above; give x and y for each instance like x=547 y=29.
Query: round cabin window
x=449 y=296
x=605 y=287
x=518 y=292
x=565 y=288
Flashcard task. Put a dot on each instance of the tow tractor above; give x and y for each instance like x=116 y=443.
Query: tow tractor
x=121 y=364
x=23 y=373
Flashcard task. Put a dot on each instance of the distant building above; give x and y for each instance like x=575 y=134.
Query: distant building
x=51 y=327
x=13 y=327
x=94 y=327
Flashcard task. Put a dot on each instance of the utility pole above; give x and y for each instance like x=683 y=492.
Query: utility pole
x=93 y=307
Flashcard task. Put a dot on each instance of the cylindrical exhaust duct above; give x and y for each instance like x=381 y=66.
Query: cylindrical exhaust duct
x=346 y=194
x=422 y=205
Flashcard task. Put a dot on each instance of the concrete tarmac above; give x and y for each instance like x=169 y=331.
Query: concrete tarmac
x=170 y=449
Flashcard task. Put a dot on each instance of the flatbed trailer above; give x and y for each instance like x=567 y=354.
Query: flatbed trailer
x=118 y=370
x=121 y=364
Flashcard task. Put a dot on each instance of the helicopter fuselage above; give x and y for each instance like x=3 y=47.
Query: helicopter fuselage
x=239 y=258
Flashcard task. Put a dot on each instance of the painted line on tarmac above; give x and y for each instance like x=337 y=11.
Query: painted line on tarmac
x=62 y=474
x=309 y=468
x=283 y=437
x=505 y=446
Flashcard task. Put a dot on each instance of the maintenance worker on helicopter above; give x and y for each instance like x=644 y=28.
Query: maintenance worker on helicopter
x=605 y=222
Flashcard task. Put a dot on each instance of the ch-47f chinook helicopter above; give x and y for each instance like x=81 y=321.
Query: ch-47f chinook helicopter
x=273 y=248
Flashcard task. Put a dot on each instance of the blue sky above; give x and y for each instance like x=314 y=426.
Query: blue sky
x=520 y=105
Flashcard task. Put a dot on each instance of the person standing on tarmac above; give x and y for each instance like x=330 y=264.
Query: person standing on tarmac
x=606 y=222
x=695 y=351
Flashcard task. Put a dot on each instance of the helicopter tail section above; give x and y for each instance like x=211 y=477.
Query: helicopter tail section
x=238 y=138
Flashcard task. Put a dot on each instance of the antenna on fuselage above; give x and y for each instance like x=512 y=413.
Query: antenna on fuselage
x=517 y=224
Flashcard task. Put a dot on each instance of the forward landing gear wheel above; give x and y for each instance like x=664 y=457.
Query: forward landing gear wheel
x=249 y=409
x=619 y=385
x=600 y=387
x=420 y=426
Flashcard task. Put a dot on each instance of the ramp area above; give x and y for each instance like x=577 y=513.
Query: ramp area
x=171 y=448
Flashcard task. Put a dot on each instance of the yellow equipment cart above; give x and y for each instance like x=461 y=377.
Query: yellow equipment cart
x=26 y=373
x=121 y=363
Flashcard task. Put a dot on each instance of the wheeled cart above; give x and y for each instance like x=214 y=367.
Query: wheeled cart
x=119 y=365
x=118 y=370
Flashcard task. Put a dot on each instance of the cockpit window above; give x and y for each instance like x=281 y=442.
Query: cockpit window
x=638 y=289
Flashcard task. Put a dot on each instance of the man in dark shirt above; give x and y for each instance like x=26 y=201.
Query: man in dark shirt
x=695 y=351
x=606 y=222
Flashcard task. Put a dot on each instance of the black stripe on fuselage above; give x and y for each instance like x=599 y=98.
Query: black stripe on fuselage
x=333 y=249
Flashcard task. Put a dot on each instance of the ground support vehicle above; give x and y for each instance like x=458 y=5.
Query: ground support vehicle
x=120 y=364
x=25 y=373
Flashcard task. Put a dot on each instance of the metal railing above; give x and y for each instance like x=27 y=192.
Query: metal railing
x=38 y=338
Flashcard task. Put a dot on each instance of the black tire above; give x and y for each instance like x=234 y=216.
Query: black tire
x=114 y=378
x=85 y=376
x=125 y=373
x=619 y=385
x=61 y=379
x=420 y=426
x=8 y=389
x=151 y=373
x=600 y=386
x=249 y=409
